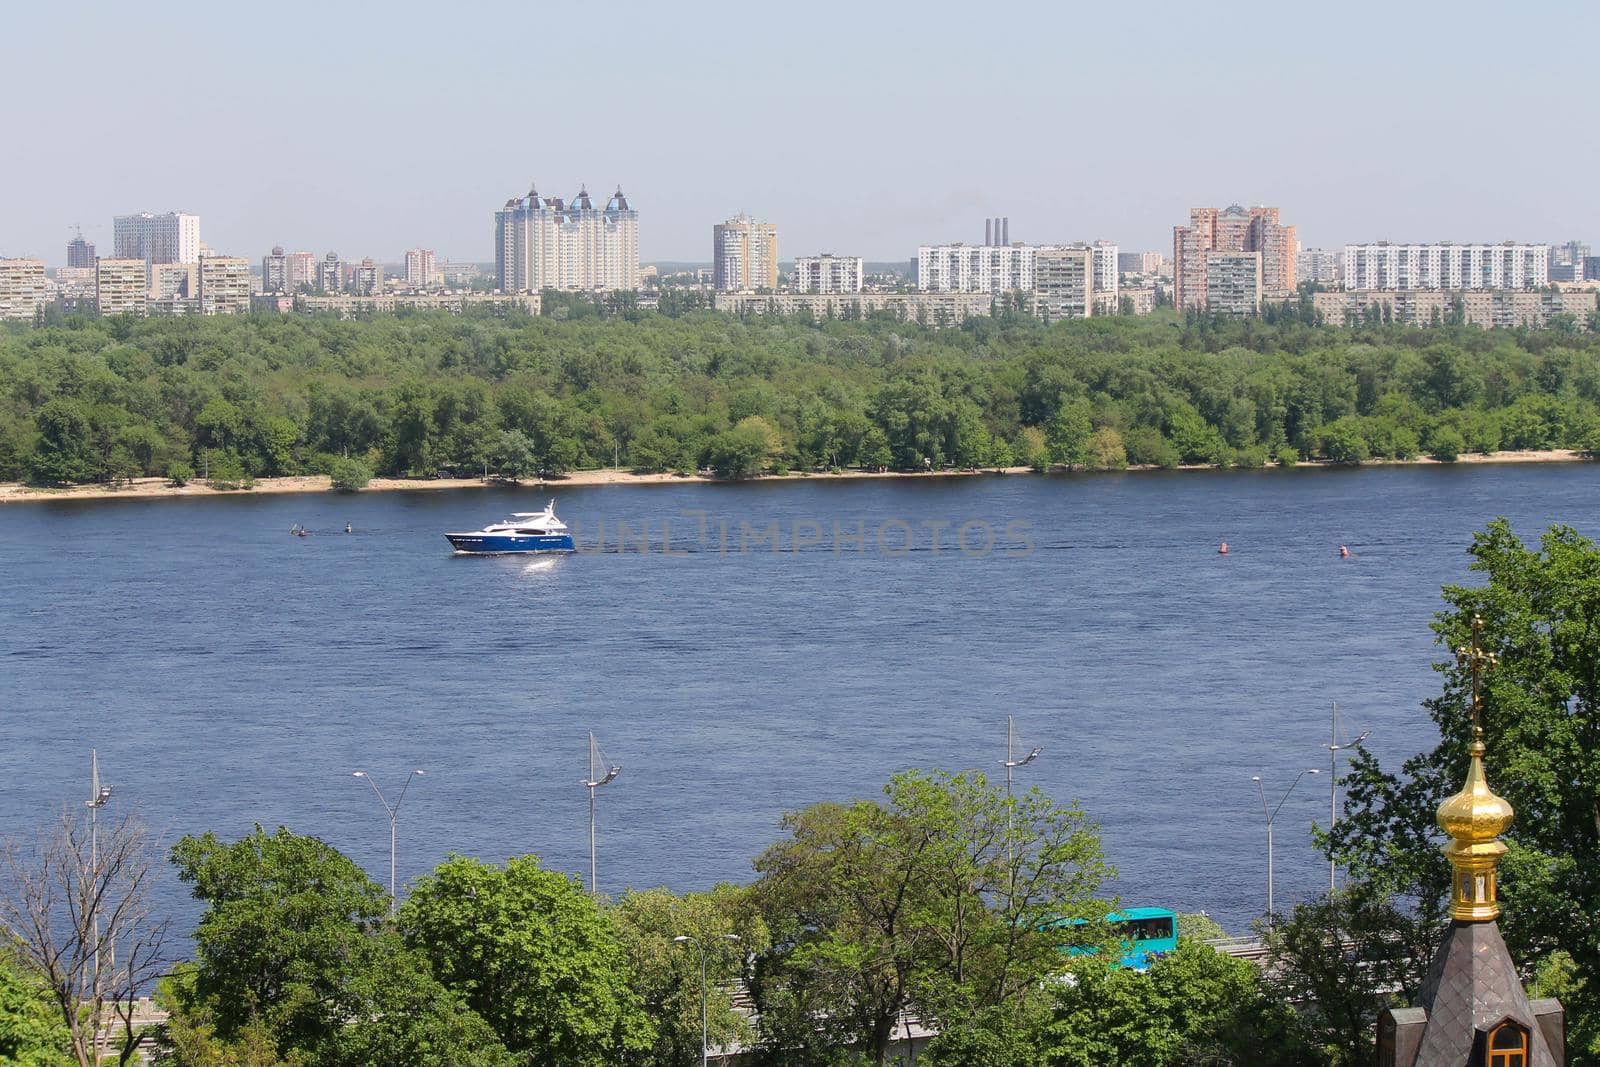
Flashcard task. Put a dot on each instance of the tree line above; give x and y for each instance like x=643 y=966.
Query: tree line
x=233 y=398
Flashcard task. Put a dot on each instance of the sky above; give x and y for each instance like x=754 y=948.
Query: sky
x=863 y=128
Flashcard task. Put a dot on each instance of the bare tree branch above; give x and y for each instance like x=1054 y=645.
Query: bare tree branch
x=52 y=891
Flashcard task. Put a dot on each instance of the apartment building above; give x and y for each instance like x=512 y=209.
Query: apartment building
x=121 y=286
x=546 y=243
x=1381 y=265
x=1106 y=280
x=828 y=274
x=963 y=268
x=421 y=270
x=1320 y=265
x=80 y=253
x=367 y=279
x=275 y=271
x=744 y=255
x=1485 y=308
x=1567 y=262
x=170 y=238
x=224 y=285
x=1233 y=284
x=929 y=309
x=1232 y=229
x=23 y=289
x=174 y=281
x=330 y=274
x=300 y=271
x=1064 y=281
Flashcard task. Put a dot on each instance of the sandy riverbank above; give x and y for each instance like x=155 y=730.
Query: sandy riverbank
x=158 y=488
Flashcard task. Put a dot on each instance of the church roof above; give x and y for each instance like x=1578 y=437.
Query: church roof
x=1473 y=986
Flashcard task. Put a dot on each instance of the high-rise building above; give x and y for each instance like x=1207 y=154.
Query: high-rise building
x=1064 y=282
x=275 y=271
x=80 y=253
x=546 y=243
x=1139 y=262
x=1233 y=284
x=22 y=288
x=121 y=286
x=224 y=285
x=1105 y=277
x=744 y=255
x=170 y=238
x=828 y=274
x=1382 y=265
x=1566 y=261
x=174 y=281
x=300 y=271
x=421 y=272
x=961 y=268
x=368 y=279
x=330 y=274
x=1233 y=229
x=1319 y=265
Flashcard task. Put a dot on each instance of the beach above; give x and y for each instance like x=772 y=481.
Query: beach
x=161 y=488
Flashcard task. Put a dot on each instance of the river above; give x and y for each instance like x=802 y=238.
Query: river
x=230 y=674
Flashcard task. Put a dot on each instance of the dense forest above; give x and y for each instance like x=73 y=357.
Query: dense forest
x=86 y=399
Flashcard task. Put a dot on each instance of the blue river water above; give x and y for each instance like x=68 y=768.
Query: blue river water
x=230 y=674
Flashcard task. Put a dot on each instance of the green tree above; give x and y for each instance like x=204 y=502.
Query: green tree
x=31 y=1031
x=348 y=476
x=1105 y=450
x=944 y=894
x=1193 y=1007
x=530 y=951
x=64 y=451
x=746 y=449
x=1344 y=442
x=513 y=455
x=667 y=973
x=1069 y=433
x=1338 y=957
x=288 y=921
x=1540 y=709
x=1446 y=444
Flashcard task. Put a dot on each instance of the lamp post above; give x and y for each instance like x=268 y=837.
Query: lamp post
x=394 y=818
x=704 y=1028
x=1334 y=748
x=600 y=773
x=98 y=796
x=1011 y=763
x=1272 y=815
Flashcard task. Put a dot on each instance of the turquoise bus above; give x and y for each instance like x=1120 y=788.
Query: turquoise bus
x=1146 y=934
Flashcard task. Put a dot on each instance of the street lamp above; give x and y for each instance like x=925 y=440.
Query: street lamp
x=1334 y=748
x=1011 y=763
x=98 y=796
x=686 y=939
x=394 y=817
x=601 y=773
x=1271 y=816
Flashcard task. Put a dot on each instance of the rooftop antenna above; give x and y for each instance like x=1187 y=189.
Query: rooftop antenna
x=1012 y=761
x=600 y=773
x=1334 y=748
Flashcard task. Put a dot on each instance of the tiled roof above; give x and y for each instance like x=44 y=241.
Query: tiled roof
x=1472 y=985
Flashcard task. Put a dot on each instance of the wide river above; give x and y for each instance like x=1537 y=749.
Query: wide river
x=230 y=674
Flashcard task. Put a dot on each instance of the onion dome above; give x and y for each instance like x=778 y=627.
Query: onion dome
x=1475 y=817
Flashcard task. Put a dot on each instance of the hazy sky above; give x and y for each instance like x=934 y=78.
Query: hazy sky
x=862 y=128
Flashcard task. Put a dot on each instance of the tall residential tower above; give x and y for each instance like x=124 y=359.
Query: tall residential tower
x=1233 y=229
x=546 y=243
x=744 y=254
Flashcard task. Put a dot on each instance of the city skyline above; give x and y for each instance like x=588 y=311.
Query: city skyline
x=399 y=165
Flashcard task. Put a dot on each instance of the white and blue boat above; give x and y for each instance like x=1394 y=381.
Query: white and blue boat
x=524 y=531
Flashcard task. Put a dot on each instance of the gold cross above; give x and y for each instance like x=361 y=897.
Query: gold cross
x=1479 y=663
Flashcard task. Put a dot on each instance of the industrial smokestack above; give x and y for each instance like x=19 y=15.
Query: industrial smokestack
x=1005 y=230
x=988 y=232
